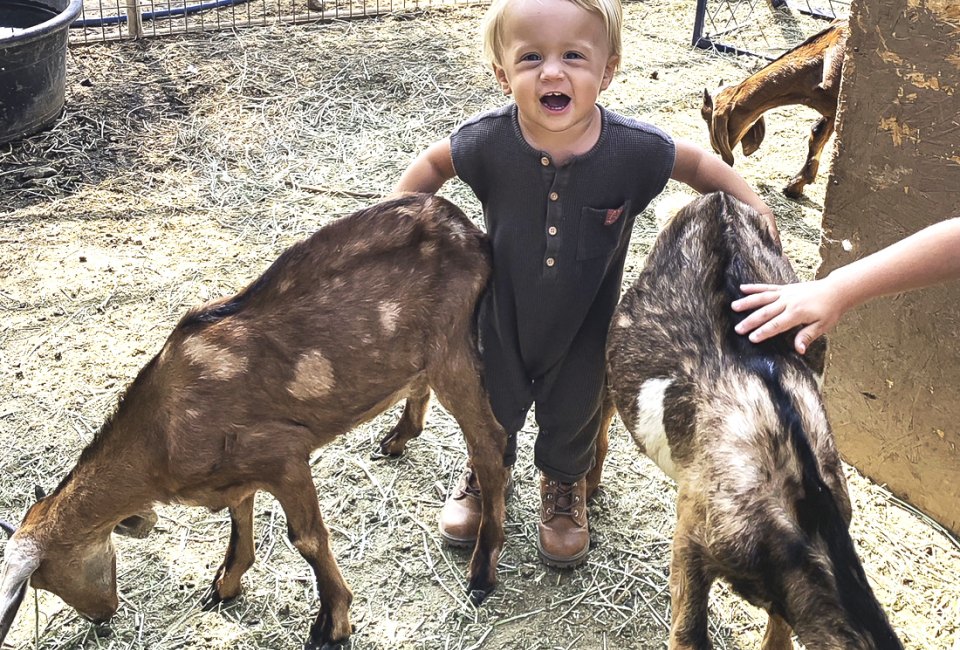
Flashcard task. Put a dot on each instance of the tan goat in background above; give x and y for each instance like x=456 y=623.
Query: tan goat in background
x=809 y=74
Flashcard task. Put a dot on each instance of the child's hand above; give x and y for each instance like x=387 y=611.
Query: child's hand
x=782 y=307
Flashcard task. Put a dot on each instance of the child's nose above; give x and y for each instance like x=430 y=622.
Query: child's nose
x=551 y=69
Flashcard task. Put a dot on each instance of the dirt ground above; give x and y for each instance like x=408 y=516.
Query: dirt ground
x=180 y=169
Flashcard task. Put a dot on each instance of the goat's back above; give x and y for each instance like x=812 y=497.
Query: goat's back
x=341 y=326
x=681 y=377
x=676 y=320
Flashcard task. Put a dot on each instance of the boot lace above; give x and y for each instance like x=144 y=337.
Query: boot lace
x=469 y=486
x=565 y=500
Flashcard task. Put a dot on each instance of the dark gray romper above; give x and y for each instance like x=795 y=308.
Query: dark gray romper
x=559 y=237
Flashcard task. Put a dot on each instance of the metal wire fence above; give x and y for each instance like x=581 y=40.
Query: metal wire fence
x=107 y=20
x=763 y=28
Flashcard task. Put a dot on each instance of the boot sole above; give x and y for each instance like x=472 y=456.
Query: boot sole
x=562 y=562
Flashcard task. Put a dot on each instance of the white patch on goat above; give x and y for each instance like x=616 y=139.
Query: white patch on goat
x=313 y=376
x=818 y=378
x=389 y=316
x=649 y=430
x=624 y=321
x=217 y=362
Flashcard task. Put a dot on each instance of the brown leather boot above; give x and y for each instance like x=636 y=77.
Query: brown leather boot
x=564 y=536
x=459 y=518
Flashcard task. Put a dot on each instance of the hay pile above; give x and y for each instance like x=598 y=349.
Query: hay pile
x=179 y=170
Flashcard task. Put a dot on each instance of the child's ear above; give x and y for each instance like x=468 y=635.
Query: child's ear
x=609 y=71
x=501 y=76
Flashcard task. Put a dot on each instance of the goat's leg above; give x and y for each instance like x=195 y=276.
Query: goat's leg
x=239 y=557
x=458 y=388
x=297 y=496
x=409 y=426
x=778 y=635
x=819 y=135
x=603 y=443
x=689 y=587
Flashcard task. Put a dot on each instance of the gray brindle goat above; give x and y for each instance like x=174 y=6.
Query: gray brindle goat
x=762 y=501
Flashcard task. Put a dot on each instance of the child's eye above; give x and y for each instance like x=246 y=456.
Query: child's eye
x=572 y=55
x=530 y=56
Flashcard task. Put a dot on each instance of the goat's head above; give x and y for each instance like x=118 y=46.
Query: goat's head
x=80 y=568
x=717 y=116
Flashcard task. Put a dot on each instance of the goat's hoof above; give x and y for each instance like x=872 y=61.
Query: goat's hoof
x=793 y=192
x=392 y=446
x=321 y=632
x=381 y=454
x=102 y=630
x=212 y=600
x=326 y=645
x=477 y=596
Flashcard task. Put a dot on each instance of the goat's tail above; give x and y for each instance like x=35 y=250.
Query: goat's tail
x=818 y=512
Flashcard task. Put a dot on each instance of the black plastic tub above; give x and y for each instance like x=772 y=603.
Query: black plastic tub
x=33 y=61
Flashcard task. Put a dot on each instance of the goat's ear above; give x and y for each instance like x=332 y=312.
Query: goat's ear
x=816 y=354
x=38 y=492
x=720 y=135
x=137 y=526
x=706 y=111
x=753 y=137
x=14 y=576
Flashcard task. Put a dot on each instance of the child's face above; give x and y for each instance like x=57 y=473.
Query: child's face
x=556 y=61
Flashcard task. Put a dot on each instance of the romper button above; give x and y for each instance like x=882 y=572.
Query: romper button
x=554 y=196
x=545 y=161
x=551 y=261
x=552 y=230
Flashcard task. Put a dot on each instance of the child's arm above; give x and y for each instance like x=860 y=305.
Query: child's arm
x=929 y=256
x=429 y=171
x=705 y=173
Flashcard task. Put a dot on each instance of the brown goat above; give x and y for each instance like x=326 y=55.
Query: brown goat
x=373 y=308
x=762 y=500
x=809 y=74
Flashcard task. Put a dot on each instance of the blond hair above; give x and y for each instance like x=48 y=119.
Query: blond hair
x=492 y=28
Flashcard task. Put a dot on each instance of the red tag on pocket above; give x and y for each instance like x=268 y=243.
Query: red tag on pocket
x=612 y=216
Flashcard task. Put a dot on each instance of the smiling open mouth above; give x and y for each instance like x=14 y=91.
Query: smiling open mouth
x=555 y=101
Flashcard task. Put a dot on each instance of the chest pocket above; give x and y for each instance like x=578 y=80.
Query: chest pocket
x=600 y=231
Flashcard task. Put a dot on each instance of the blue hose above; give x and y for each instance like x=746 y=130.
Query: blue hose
x=149 y=15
